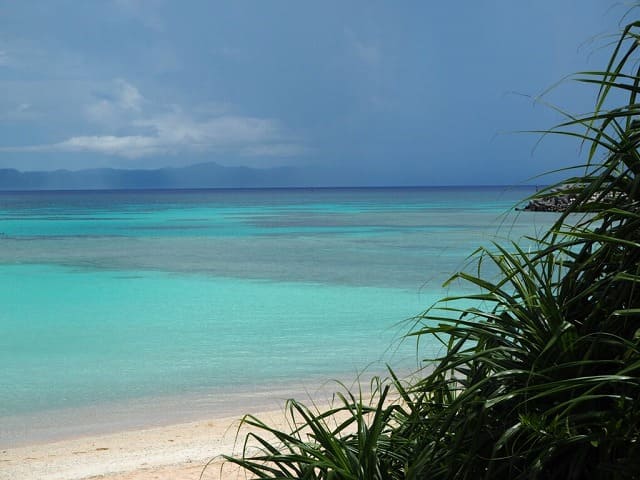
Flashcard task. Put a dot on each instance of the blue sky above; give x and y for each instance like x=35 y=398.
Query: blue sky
x=399 y=92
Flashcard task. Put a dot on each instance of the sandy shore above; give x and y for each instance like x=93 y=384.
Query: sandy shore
x=172 y=452
x=179 y=450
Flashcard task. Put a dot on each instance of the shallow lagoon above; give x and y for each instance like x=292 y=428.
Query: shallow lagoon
x=114 y=296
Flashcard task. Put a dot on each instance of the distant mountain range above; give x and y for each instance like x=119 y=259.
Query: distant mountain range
x=202 y=175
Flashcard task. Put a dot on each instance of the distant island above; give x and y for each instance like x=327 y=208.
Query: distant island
x=209 y=175
x=202 y=175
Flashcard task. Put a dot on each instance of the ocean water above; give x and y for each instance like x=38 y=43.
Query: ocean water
x=113 y=299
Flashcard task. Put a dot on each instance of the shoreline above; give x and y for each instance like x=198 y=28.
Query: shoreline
x=173 y=451
x=62 y=424
x=150 y=441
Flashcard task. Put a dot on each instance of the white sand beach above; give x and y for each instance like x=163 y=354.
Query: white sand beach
x=152 y=438
x=178 y=451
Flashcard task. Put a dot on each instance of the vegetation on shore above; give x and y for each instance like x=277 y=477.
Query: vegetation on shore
x=541 y=372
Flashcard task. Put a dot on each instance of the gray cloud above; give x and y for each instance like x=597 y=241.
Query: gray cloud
x=117 y=106
x=169 y=130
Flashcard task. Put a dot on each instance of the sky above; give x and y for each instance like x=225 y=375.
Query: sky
x=402 y=93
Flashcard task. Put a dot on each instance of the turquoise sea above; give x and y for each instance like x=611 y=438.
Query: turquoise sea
x=118 y=302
